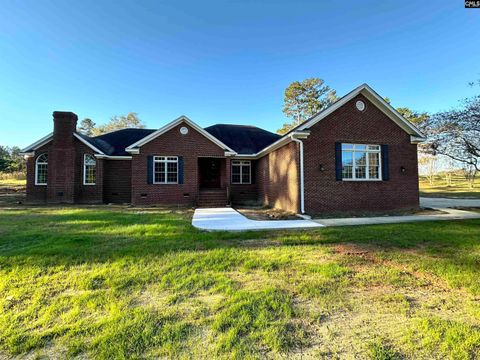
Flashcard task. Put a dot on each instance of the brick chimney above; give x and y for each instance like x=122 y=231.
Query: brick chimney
x=61 y=159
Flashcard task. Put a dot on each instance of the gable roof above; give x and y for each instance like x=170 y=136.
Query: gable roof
x=243 y=139
x=115 y=142
x=37 y=144
x=373 y=97
x=134 y=148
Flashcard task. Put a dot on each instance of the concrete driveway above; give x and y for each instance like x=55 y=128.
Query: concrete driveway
x=442 y=203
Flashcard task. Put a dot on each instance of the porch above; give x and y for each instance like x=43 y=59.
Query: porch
x=213 y=181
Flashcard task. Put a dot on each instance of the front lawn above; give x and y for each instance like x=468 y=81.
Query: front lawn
x=113 y=282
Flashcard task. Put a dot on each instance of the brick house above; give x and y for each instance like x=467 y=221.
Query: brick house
x=359 y=154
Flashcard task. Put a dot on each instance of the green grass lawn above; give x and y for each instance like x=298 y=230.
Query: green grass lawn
x=439 y=188
x=113 y=283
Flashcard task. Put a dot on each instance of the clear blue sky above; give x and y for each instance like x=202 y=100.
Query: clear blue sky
x=225 y=61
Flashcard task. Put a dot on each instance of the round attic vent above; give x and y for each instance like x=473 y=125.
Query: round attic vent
x=184 y=130
x=360 y=105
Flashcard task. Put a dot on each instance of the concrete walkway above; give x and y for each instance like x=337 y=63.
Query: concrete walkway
x=228 y=219
x=452 y=214
x=442 y=204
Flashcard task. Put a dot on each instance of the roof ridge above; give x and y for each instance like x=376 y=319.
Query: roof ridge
x=238 y=125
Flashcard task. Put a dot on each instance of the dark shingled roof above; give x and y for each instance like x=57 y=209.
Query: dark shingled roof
x=242 y=138
x=114 y=143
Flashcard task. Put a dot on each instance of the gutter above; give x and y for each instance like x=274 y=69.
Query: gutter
x=302 y=183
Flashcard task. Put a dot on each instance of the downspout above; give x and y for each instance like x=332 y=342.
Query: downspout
x=302 y=188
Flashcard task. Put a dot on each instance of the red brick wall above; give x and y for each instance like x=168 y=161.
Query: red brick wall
x=87 y=193
x=324 y=194
x=246 y=194
x=117 y=181
x=278 y=178
x=64 y=170
x=190 y=146
x=36 y=193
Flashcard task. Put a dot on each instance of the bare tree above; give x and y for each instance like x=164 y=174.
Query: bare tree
x=456 y=133
x=428 y=164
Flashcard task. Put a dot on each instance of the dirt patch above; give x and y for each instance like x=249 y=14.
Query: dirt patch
x=368 y=253
x=256 y=213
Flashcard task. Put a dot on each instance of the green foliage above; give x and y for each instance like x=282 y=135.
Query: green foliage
x=304 y=99
x=86 y=127
x=131 y=120
x=118 y=122
x=416 y=118
x=10 y=160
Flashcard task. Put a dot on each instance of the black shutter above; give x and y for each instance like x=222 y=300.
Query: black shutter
x=180 y=169
x=338 y=161
x=252 y=172
x=149 y=169
x=385 y=166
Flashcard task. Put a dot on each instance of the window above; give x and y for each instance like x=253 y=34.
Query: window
x=241 y=172
x=89 y=170
x=360 y=162
x=165 y=169
x=41 y=170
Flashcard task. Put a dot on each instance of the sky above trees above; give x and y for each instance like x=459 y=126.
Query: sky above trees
x=225 y=61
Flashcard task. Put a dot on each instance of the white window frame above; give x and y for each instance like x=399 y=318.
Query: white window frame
x=36 y=169
x=367 y=170
x=166 y=159
x=242 y=164
x=85 y=169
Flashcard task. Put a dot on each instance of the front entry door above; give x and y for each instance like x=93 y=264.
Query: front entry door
x=209 y=173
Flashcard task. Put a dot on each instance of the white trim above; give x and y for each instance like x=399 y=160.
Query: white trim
x=36 y=170
x=241 y=172
x=166 y=161
x=37 y=144
x=302 y=179
x=133 y=149
x=27 y=155
x=85 y=172
x=279 y=143
x=88 y=144
x=377 y=100
x=367 y=165
x=113 y=157
x=417 y=140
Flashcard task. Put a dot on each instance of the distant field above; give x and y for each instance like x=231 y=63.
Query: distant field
x=13 y=182
x=459 y=188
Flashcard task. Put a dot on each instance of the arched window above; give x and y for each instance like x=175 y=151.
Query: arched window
x=41 y=169
x=89 y=170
